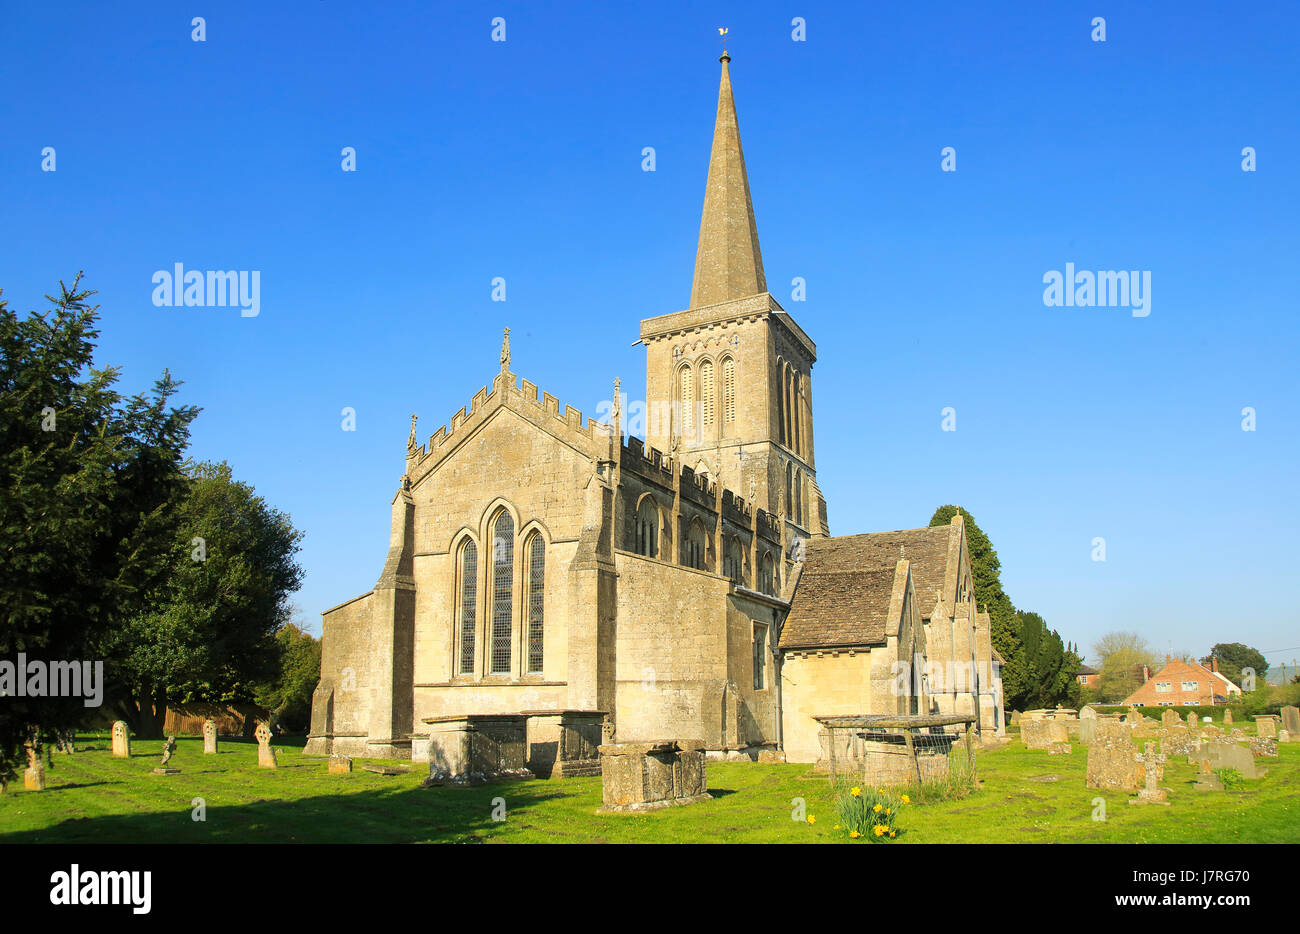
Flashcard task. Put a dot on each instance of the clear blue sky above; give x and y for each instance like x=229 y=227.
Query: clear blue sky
x=522 y=159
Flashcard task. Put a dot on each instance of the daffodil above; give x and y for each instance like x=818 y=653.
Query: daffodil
x=853 y=834
x=886 y=812
x=892 y=834
x=876 y=809
x=906 y=799
x=856 y=791
x=812 y=819
x=879 y=830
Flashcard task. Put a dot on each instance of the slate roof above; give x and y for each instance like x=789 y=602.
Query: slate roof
x=838 y=608
x=925 y=549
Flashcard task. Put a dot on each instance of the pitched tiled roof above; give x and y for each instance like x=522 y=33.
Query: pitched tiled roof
x=925 y=549
x=838 y=607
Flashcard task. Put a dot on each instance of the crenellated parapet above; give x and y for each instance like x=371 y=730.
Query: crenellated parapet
x=591 y=437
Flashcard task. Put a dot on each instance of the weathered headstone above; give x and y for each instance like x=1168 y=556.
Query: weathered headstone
x=1151 y=793
x=1133 y=716
x=265 y=754
x=340 y=765
x=1112 y=763
x=1230 y=756
x=1291 y=721
x=1227 y=717
x=1179 y=741
x=1170 y=718
x=1087 y=713
x=1263 y=748
x=169 y=750
x=645 y=776
x=1015 y=718
x=1266 y=727
x=34 y=775
x=1191 y=721
x=1041 y=734
x=121 y=740
x=209 y=737
x=1206 y=780
x=1087 y=728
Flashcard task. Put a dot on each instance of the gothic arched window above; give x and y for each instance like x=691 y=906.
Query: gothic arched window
x=789 y=491
x=503 y=579
x=468 y=611
x=729 y=389
x=706 y=393
x=536 y=552
x=647 y=528
x=798 y=497
x=767 y=575
x=735 y=569
x=686 y=395
x=695 y=545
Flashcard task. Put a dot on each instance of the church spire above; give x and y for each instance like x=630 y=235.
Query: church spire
x=728 y=264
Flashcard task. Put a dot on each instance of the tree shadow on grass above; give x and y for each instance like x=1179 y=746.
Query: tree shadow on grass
x=412 y=815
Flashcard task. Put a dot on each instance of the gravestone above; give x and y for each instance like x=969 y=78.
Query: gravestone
x=1191 y=721
x=209 y=737
x=121 y=740
x=265 y=754
x=34 y=775
x=1087 y=728
x=1179 y=741
x=1112 y=762
x=1263 y=748
x=169 y=750
x=1291 y=721
x=1151 y=793
x=473 y=749
x=1170 y=718
x=1087 y=713
x=1230 y=756
x=1206 y=780
x=340 y=765
x=1211 y=733
x=1266 y=727
x=1015 y=718
x=1227 y=717
x=647 y=776
x=1133 y=716
x=1042 y=734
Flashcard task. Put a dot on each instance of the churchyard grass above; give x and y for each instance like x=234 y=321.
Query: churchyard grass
x=93 y=797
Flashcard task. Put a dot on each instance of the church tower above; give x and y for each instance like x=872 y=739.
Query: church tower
x=729 y=380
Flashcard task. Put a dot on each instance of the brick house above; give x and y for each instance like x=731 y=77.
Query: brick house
x=1183 y=683
x=1088 y=676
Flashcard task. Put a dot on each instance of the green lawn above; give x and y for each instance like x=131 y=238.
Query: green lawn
x=92 y=797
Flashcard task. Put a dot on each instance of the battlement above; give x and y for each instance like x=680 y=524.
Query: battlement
x=521 y=396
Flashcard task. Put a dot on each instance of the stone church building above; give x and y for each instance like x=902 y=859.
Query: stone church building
x=687 y=586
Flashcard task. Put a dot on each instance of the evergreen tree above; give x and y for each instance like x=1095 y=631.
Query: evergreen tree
x=87 y=484
x=209 y=630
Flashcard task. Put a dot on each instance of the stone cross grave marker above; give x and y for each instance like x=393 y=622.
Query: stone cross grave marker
x=1227 y=717
x=265 y=754
x=1151 y=793
x=169 y=750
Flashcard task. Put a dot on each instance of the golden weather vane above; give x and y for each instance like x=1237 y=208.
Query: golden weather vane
x=722 y=34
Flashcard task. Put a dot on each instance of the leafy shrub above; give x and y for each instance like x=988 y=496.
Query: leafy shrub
x=1231 y=778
